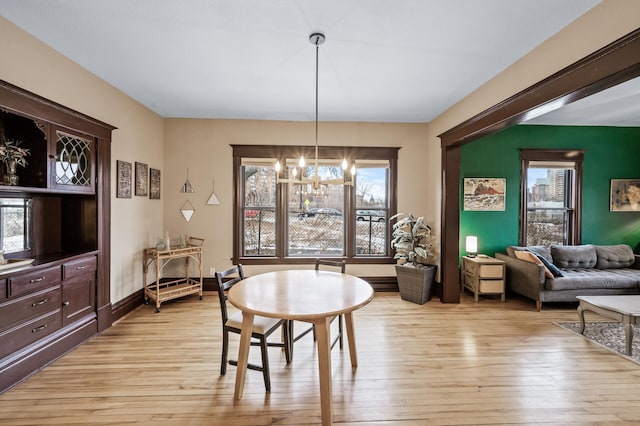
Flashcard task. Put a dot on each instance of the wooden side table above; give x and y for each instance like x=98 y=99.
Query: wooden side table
x=483 y=275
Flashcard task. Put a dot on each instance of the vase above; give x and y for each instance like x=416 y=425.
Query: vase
x=10 y=175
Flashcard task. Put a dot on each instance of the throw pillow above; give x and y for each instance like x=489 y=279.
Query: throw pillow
x=530 y=257
x=550 y=266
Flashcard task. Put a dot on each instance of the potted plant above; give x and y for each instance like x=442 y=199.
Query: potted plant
x=412 y=241
x=12 y=155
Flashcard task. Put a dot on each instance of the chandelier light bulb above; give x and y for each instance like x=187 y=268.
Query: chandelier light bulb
x=353 y=170
x=294 y=172
x=301 y=162
x=344 y=164
x=277 y=167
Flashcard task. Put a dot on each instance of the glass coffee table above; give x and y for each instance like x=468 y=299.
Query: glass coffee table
x=623 y=308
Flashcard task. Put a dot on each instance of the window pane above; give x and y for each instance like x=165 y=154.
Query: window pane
x=546 y=187
x=316 y=219
x=259 y=217
x=15 y=214
x=548 y=211
x=546 y=227
x=371 y=211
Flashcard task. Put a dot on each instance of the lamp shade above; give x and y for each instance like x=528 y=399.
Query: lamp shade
x=471 y=245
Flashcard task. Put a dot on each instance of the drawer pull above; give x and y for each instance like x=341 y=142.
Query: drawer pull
x=65 y=303
x=80 y=268
x=42 y=327
x=42 y=302
x=37 y=280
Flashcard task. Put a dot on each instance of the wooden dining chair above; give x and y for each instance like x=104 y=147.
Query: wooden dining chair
x=263 y=327
x=342 y=266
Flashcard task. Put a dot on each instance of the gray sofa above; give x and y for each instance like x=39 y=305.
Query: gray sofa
x=585 y=269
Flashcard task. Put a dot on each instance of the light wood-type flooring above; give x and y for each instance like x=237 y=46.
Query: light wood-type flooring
x=483 y=363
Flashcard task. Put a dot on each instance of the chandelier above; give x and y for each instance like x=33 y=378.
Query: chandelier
x=315 y=180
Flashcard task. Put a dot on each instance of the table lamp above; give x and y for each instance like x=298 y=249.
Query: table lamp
x=471 y=245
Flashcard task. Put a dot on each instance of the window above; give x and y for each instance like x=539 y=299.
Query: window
x=293 y=223
x=15 y=218
x=551 y=194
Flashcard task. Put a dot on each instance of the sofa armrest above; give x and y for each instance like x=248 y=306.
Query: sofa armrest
x=524 y=277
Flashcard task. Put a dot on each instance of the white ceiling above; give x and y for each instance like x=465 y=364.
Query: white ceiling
x=618 y=106
x=383 y=60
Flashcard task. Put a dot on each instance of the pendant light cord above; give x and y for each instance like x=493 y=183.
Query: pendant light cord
x=317 y=51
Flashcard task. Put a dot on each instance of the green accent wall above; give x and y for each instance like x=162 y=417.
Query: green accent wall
x=609 y=153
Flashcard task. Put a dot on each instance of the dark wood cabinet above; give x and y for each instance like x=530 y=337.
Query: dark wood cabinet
x=71 y=155
x=63 y=298
x=78 y=289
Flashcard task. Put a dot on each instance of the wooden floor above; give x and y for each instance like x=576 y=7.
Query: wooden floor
x=435 y=364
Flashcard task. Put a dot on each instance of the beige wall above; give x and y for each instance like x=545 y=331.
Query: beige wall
x=204 y=147
x=32 y=65
x=173 y=145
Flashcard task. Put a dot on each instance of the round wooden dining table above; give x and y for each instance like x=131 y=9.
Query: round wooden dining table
x=302 y=295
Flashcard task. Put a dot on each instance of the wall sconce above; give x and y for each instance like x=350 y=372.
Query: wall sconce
x=471 y=245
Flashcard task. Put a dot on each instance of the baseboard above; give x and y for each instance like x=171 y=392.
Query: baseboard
x=126 y=305
x=381 y=284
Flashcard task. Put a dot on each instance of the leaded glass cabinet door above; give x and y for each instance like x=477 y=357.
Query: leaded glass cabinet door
x=74 y=156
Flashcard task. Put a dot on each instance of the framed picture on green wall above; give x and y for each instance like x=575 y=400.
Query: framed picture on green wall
x=625 y=195
x=484 y=194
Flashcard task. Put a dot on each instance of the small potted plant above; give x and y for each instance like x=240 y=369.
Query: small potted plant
x=12 y=155
x=412 y=241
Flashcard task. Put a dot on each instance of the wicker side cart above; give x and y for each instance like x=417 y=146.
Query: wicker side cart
x=163 y=290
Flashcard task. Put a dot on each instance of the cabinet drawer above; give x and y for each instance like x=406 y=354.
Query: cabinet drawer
x=491 y=286
x=3 y=290
x=31 y=306
x=27 y=333
x=32 y=281
x=491 y=271
x=84 y=266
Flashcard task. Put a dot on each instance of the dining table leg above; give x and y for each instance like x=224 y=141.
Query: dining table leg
x=351 y=339
x=324 y=369
x=243 y=353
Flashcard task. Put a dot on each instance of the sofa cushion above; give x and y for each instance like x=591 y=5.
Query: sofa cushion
x=591 y=278
x=541 y=250
x=530 y=257
x=583 y=256
x=614 y=256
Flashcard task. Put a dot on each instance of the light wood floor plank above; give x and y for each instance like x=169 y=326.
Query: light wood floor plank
x=482 y=363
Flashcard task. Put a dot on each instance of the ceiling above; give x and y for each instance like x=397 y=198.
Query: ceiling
x=383 y=60
x=618 y=106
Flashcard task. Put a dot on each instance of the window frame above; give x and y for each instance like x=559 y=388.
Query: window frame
x=281 y=153
x=574 y=231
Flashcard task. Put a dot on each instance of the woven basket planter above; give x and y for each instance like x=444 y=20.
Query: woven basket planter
x=416 y=282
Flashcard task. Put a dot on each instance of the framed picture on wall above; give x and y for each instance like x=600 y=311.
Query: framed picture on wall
x=625 y=195
x=154 y=184
x=484 y=194
x=142 y=179
x=123 y=179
